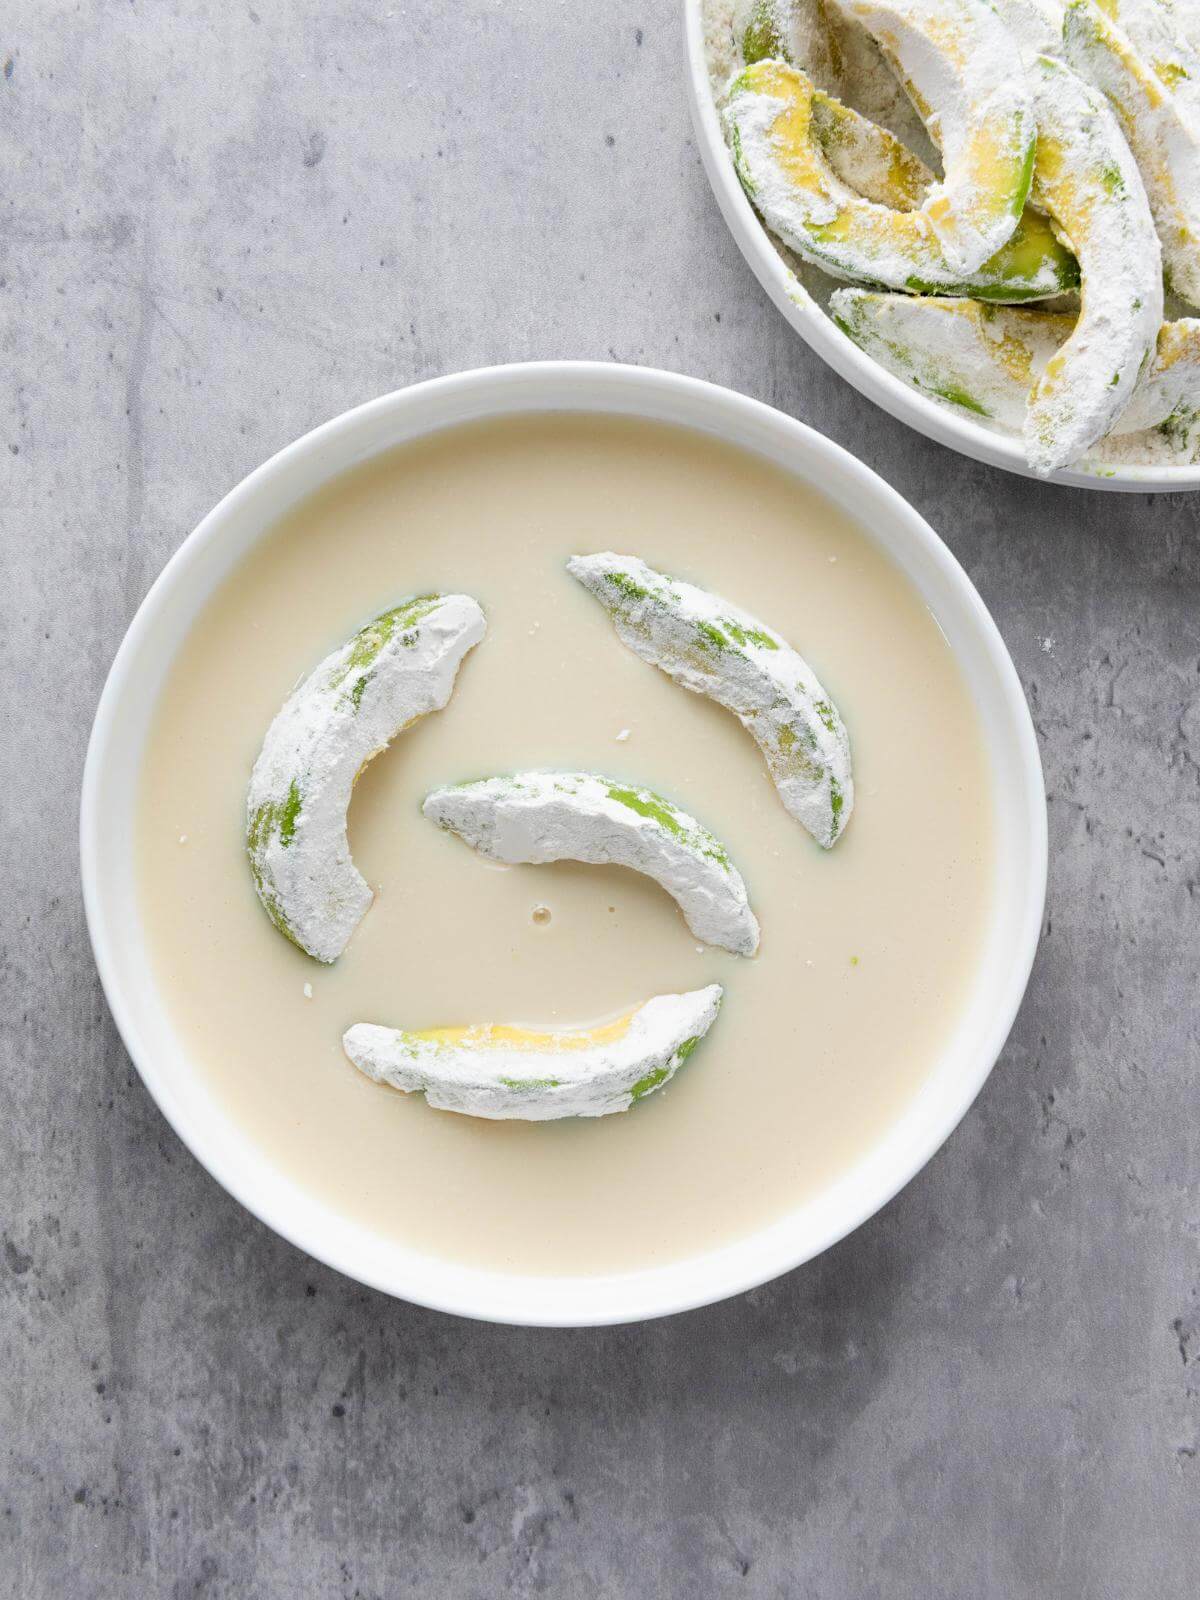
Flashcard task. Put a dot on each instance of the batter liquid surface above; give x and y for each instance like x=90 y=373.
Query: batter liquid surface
x=867 y=950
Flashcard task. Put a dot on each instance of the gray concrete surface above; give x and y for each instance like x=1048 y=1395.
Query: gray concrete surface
x=221 y=225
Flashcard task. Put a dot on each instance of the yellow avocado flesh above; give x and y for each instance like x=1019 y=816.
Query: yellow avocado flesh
x=500 y=1036
x=988 y=177
x=874 y=243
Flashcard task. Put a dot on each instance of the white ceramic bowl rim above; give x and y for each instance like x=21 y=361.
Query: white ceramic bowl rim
x=822 y=334
x=107 y=844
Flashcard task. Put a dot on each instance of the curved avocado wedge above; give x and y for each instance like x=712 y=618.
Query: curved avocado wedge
x=1088 y=183
x=785 y=172
x=986 y=359
x=537 y=817
x=787 y=30
x=1163 y=132
x=715 y=649
x=399 y=667
x=956 y=59
x=520 y=1074
x=868 y=158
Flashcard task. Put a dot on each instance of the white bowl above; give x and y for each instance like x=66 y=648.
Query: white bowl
x=115 y=922
x=819 y=331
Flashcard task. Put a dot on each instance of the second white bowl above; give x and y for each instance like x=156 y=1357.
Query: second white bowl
x=819 y=331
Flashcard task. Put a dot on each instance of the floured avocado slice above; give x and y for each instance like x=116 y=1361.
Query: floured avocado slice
x=498 y=1072
x=986 y=359
x=717 y=650
x=1163 y=131
x=1088 y=183
x=763 y=30
x=537 y=817
x=1160 y=33
x=1035 y=26
x=771 y=125
x=1170 y=388
x=957 y=61
x=870 y=159
x=398 y=668
x=786 y=30
x=983 y=359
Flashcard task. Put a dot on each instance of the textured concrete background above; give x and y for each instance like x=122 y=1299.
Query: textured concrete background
x=220 y=227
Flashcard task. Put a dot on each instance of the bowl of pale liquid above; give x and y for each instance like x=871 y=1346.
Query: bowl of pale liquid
x=890 y=968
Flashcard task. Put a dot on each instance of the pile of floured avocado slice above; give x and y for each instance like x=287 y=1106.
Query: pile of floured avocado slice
x=1069 y=137
x=403 y=665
